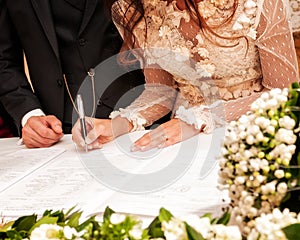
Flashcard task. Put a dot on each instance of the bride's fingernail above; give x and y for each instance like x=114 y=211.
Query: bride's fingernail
x=88 y=140
x=82 y=143
x=97 y=145
x=143 y=148
x=134 y=148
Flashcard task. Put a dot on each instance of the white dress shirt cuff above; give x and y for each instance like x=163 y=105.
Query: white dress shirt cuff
x=35 y=112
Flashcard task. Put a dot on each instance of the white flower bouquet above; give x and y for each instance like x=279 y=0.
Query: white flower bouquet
x=260 y=160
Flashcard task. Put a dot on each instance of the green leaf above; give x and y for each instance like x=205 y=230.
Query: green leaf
x=44 y=220
x=6 y=226
x=24 y=223
x=13 y=234
x=59 y=214
x=164 y=215
x=208 y=215
x=295 y=85
x=74 y=219
x=89 y=222
x=107 y=213
x=70 y=210
x=292 y=231
x=224 y=219
x=154 y=229
x=47 y=213
x=192 y=233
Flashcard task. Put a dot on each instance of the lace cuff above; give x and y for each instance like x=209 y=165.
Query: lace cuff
x=202 y=117
x=135 y=118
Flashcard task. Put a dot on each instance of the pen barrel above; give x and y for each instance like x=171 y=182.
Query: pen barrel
x=83 y=128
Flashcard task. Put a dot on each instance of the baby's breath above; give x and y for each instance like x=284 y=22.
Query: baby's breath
x=259 y=156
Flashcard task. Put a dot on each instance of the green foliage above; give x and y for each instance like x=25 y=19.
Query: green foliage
x=73 y=220
x=107 y=213
x=292 y=231
x=164 y=215
x=44 y=220
x=224 y=219
x=108 y=230
x=121 y=230
x=24 y=223
x=154 y=229
x=192 y=233
x=292 y=108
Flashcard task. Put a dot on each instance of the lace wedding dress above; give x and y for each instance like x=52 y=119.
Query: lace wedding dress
x=201 y=77
x=295 y=15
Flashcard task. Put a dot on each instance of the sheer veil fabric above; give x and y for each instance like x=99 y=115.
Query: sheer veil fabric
x=202 y=78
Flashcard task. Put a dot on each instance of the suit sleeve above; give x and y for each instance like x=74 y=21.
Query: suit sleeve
x=16 y=94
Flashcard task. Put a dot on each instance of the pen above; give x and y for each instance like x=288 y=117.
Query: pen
x=82 y=119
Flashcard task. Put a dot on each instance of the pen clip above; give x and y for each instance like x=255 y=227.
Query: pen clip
x=80 y=106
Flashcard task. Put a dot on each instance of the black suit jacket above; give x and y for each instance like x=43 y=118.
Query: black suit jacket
x=27 y=25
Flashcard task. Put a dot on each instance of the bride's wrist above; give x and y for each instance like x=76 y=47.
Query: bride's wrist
x=121 y=126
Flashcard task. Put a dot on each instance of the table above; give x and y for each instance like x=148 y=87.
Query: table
x=182 y=178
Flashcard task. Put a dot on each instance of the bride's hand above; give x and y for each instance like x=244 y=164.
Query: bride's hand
x=167 y=134
x=100 y=131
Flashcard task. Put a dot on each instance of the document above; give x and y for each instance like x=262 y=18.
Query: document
x=18 y=164
x=35 y=180
x=171 y=177
x=61 y=184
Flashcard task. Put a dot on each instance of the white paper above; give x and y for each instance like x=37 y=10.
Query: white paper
x=65 y=181
x=18 y=164
x=193 y=191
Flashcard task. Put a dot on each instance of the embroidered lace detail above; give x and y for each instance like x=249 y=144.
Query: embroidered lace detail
x=133 y=112
x=295 y=15
x=203 y=117
x=162 y=100
x=134 y=117
x=174 y=41
x=256 y=53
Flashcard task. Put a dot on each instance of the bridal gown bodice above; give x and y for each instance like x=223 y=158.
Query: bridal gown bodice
x=189 y=69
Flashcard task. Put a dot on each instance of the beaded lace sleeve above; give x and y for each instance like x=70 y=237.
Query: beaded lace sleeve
x=156 y=100
x=276 y=45
x=277 y=53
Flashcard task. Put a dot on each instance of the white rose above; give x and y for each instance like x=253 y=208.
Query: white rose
x=285 y=136
x=136 y=232
x=174 y=229
x=250 y=140
x=117 y=218
x=46 y=232
x=226 y=232
x=270 y=129
x=282 y=187
x=287 y=122
x=279 y=173
x=240 y=180
x=201 y=225
x=274 y=92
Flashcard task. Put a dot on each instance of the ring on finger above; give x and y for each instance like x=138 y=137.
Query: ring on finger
x=165 y=137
